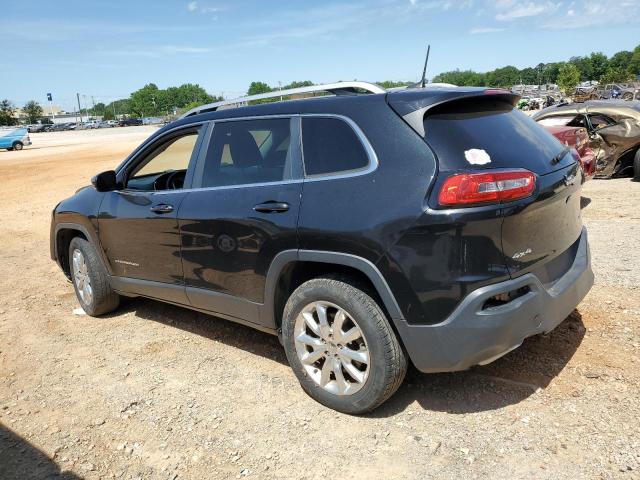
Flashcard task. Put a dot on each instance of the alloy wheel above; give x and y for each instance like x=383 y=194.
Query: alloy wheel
x=81 y=277
x=332 y=348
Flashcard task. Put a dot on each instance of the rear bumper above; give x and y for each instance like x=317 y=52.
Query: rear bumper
x=472 y=336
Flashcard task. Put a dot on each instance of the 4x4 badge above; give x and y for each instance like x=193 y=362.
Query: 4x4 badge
x=521 y=254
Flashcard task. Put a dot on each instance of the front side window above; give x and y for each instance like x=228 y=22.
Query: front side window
x=331 y=146
x=166 y=166
x=248 y=152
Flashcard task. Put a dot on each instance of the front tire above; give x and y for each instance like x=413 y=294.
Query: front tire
x=90 y=279
x=636 y=167
x=341 y=346
x=17 y=146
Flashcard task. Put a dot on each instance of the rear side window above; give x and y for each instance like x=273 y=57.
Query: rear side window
x=331 y=146
x=249 y=152
x=484 y=134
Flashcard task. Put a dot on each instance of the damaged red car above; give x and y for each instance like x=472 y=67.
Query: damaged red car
x=577 y=138
x=613 y=128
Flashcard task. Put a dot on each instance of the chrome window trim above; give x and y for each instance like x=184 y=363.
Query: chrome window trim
x=228 y=187
x=371 y=154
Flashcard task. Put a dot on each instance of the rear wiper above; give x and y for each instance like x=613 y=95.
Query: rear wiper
x=560 y=156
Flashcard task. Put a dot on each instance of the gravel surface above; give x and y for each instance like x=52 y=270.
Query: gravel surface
x=158 y=392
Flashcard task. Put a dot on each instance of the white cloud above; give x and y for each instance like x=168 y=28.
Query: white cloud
x=192 y=6
x=479 y=30
x=585 y=13
x=156 y=52
x=509 y=10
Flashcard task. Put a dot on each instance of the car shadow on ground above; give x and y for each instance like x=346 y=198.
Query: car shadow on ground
x=507 y=381
x=207 y=326
x=20 y=460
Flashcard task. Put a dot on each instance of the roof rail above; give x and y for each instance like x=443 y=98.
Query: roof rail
x=338 y=88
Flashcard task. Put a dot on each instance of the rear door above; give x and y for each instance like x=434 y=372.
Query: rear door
x=548 y=223
x=242 y=212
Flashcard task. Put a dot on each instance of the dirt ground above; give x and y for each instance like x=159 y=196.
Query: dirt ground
x=157 y=392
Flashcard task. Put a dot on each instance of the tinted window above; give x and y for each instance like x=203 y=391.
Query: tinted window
x=482 y=134
x=330 y=146
x=251 y=151
x=166 y=166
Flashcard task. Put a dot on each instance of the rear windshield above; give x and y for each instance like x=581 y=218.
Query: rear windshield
x=482 y=134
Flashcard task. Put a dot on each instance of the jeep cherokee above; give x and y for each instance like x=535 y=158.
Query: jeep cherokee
x=439 y=226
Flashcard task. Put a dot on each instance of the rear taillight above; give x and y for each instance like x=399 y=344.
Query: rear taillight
x=497 y=186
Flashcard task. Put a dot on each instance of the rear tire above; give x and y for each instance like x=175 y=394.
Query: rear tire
x=353 y=361
x=628 y=96
x=636 y=167
x=90 y=279
x=17 y=145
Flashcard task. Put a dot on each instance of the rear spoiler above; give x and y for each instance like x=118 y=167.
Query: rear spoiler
x=413 y=104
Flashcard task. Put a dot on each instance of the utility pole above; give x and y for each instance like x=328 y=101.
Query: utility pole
x=53 y=115
x=280 y=88
x=93 y=102
x=79 y=107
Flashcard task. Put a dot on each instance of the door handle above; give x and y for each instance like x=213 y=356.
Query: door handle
x=271 y=207
x=162 y=208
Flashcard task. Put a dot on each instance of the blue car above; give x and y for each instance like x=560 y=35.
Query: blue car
x=14 y=138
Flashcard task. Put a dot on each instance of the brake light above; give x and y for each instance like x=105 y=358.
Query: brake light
x=487 y=187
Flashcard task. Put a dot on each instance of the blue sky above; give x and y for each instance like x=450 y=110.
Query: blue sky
x=108 y=48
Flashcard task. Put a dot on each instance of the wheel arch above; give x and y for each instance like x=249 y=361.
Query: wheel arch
x=291 y=268
x=63 y=234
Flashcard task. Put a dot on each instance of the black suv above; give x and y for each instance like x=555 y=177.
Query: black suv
x=440 y=226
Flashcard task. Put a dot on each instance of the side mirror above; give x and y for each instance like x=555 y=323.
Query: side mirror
x=105 y=181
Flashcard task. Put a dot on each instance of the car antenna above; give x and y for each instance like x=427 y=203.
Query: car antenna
x=423 y=82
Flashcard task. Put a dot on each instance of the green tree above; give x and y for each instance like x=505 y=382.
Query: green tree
x=258 y=87
x=568 y=78
x=621 y=59
x=108 y=115
x=599 y=65
x=7 y=112
x=465 y=78
x=144 y=102
x=616 y=75
x=99 y=109
x=33 y=110
x=503 y=77
x=392 y=84
x=634 y=62
x=298 y=84
x=119 y=107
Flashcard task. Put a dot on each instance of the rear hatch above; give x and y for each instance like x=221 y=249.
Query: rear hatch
x=483 y=132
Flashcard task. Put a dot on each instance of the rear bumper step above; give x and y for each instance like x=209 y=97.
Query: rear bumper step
x=474 y=334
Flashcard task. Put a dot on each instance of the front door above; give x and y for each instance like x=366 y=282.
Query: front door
x=243 y=211
x=138 y=224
